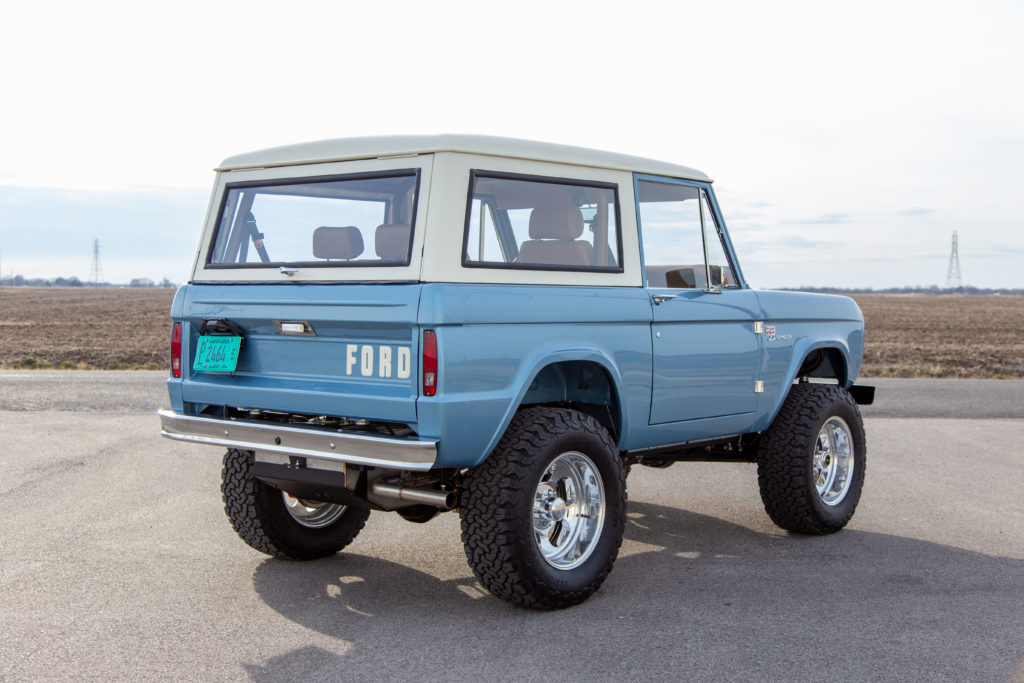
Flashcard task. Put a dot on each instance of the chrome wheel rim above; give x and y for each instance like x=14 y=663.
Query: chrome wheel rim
x=832 y=464
x=568 y=510
x=312 y=513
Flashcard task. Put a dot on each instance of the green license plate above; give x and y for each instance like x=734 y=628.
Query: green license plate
x=217 y=354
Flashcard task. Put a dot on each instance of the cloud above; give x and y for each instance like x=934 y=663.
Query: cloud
x=821 y=219
x=994 y=252
x=777 y=243
x=915 y=211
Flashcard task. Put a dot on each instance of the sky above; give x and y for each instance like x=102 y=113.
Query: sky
x=847 y=140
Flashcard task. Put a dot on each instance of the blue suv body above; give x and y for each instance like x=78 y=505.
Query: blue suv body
x=530 y=321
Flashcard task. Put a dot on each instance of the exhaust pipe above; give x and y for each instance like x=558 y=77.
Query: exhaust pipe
x=441 y=499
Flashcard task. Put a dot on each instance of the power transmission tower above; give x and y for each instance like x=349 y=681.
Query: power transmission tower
x=953 y=279
x=96 y=274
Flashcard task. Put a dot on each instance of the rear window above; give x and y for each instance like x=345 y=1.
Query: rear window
x=363 y=220
x=538 y=223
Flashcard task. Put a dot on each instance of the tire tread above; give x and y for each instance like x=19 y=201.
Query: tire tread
x=248 y=501
x=783 y=472
x=491 y=533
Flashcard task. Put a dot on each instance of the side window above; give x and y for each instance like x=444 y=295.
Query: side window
x=541 y=223
x=682 y=244
x=718 y=262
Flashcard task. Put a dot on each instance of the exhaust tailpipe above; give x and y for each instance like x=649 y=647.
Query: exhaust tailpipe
x=440 y=499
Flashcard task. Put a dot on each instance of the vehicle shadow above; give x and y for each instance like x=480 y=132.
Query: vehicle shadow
x=693 y=597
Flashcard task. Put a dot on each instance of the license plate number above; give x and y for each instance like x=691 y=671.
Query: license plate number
x=217 y=354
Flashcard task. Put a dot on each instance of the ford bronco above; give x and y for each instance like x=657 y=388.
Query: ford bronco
x=503 y=328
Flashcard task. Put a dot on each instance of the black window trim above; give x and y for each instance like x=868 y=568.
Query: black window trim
x=309 y=180
x=493 y=265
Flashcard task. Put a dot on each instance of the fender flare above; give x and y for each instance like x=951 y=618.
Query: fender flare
x=801 y=348
x=536 y=362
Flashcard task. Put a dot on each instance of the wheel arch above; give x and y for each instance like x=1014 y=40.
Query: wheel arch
x=824 y=362
x=822 y=359
x=586 y=383
x=586 y=378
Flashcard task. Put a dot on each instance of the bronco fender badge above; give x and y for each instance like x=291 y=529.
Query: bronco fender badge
x=772 y=335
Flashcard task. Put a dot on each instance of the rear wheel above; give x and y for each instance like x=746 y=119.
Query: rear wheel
x=811 y=460
x=543 y=516
x=279 y=524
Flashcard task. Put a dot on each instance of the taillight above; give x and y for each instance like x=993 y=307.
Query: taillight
x=176 y=350
x=429 y=362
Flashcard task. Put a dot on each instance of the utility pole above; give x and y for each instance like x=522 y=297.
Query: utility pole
x=953 y=279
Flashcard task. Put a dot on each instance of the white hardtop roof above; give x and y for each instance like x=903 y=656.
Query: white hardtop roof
x=345 y=149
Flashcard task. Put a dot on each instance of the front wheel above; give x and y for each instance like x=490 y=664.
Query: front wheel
x=543 y=516
x=811 y=461
x=279 y=524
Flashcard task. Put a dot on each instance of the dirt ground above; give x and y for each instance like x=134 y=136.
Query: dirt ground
x=84 y=328
x=920 y=335
x=907 y=335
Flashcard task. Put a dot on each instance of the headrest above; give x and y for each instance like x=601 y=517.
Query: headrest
x=337 y=243
x=681 y=278
x=391 y=242
x=556 y=222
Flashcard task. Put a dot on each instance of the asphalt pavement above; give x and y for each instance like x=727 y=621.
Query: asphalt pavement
x=107 y=391
x=118 y=562
x=960 y=398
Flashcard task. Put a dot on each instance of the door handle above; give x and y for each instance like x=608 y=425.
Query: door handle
x=659 y=299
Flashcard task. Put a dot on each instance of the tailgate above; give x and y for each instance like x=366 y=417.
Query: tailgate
x=353 y=355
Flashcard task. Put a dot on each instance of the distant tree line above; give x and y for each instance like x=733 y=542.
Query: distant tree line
x=73 y=281
x=146 y=282
x=932 y=289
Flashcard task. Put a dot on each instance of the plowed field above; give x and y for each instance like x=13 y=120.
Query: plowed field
x=920 y=335
x=84 y=328
x=907 y=335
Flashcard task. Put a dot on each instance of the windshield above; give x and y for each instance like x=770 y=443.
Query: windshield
x=363 y=220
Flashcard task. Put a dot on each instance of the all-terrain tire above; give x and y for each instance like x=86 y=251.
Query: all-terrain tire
x=502 y=496
x=259 y=516
x=819 y=426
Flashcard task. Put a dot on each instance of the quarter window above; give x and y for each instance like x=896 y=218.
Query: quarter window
x=541 y=223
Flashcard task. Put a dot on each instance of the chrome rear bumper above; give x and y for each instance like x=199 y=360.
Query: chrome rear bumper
x=357 y=449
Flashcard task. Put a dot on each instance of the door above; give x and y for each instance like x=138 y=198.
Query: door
x=706 y=354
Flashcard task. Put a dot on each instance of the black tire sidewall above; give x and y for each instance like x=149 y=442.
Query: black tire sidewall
x=284 y=531
x=612 y=479
x=838 y=515
x=785 y=469
x=258 y=514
